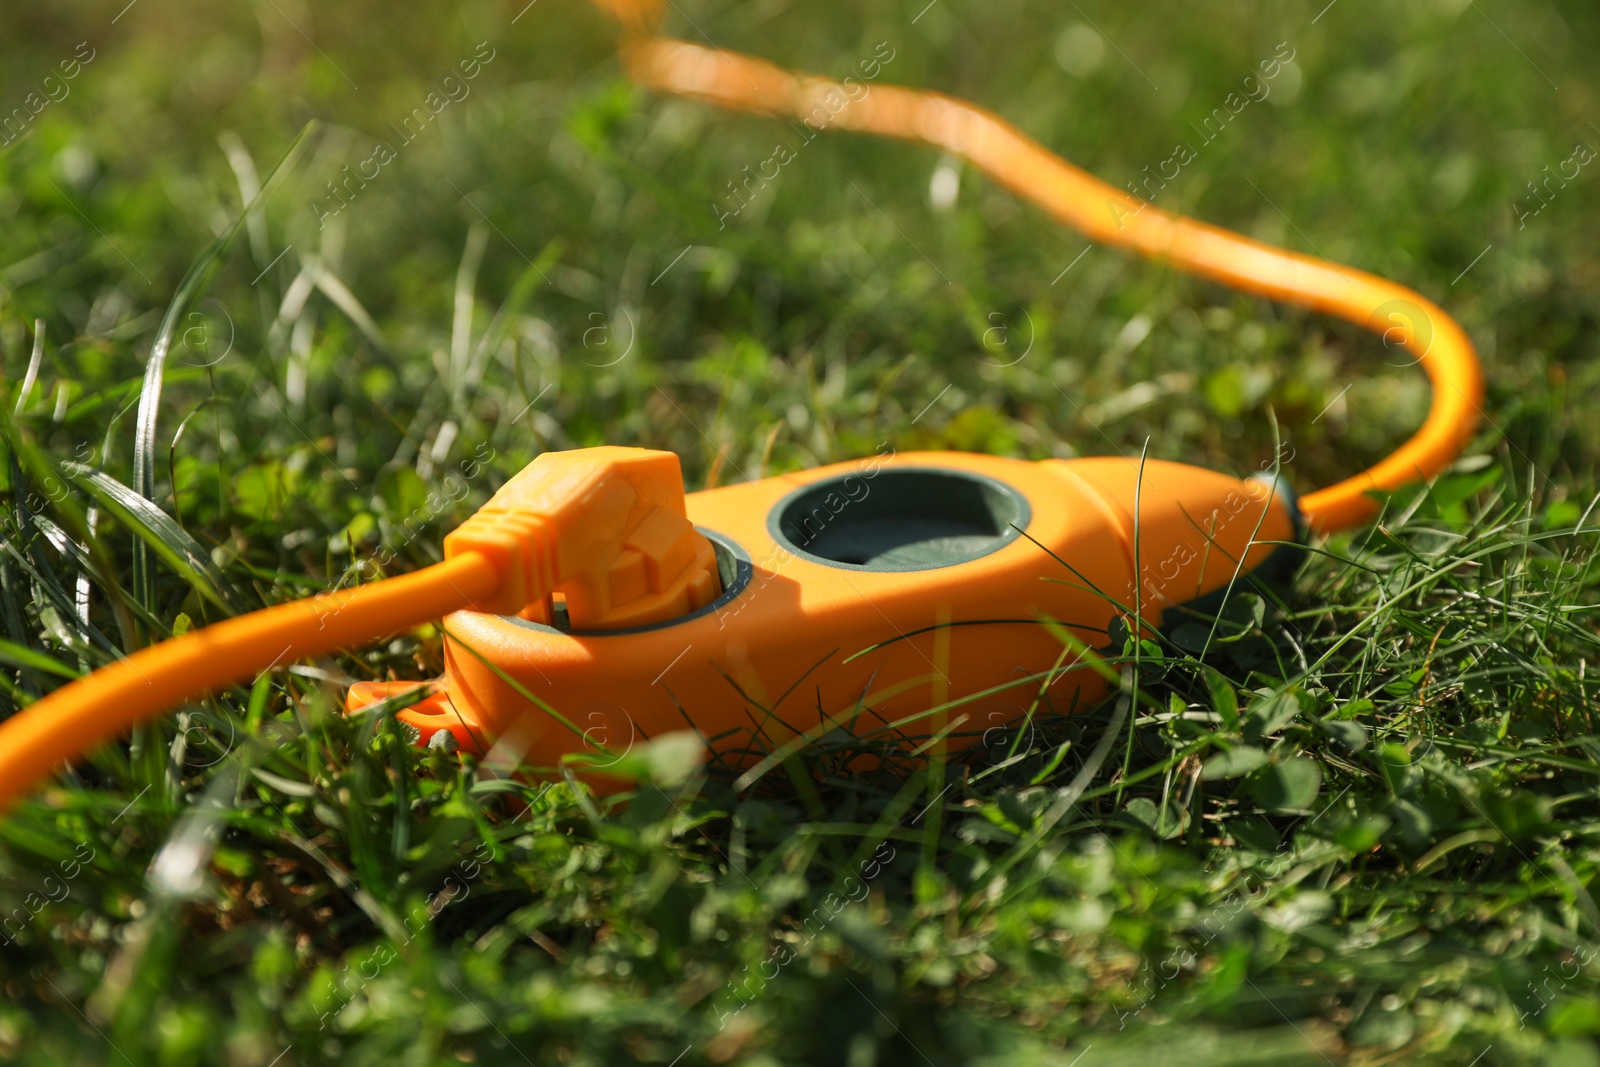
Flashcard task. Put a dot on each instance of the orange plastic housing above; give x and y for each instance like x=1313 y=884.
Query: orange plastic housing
x=797 y=641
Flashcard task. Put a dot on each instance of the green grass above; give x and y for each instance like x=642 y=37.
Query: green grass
x=1366 y=829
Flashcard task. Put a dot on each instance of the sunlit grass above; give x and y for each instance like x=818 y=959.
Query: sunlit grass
x=1363 y=830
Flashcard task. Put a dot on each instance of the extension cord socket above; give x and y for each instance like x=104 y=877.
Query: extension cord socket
x=861 y=595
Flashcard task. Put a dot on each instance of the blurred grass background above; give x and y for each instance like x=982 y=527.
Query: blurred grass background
x=543 y=266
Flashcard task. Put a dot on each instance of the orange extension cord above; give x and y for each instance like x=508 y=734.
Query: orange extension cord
x=102 y=705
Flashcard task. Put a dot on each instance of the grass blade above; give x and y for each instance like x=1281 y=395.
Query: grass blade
x=161 y=533
x=194 y=283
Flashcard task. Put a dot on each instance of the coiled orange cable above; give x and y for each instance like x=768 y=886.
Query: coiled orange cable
x=1111 y=216
x=101 y=705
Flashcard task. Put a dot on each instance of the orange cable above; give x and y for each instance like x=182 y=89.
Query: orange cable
x=1111 y=216
x=99 y=706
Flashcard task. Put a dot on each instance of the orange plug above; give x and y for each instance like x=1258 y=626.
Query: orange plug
x=598 y=532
